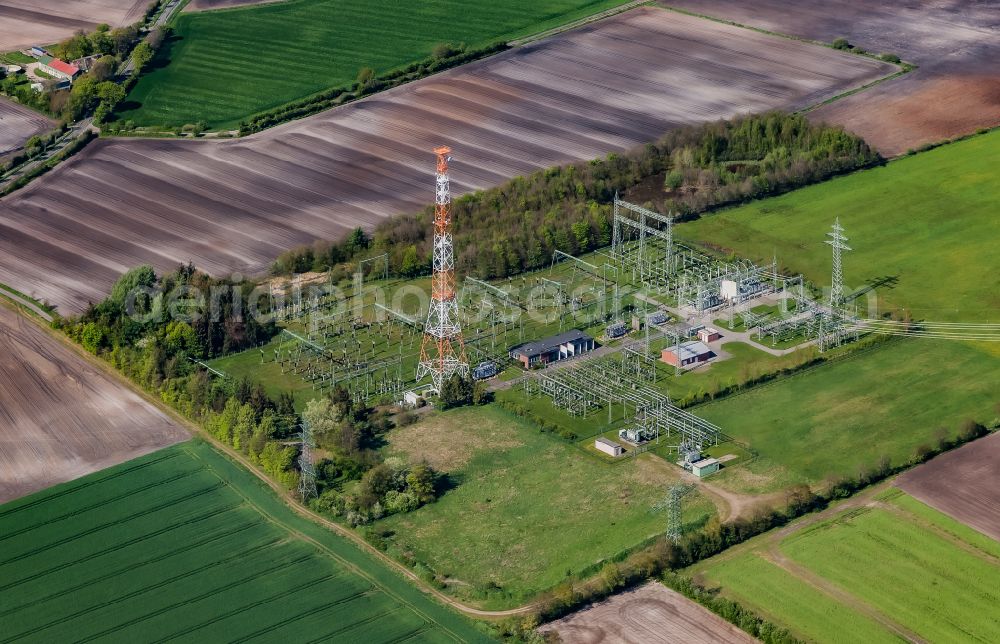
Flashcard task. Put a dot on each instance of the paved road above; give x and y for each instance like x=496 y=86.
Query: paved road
x=68 y=137
x=25 y=302
x=165 y=16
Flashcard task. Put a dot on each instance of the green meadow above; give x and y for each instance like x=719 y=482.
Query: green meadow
x=222 y=66
x=839 y=419
x=894 y=564
x=923 y=228
x=527 y=508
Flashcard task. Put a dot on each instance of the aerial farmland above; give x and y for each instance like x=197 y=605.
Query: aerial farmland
x=583 y=321
x=80 y=562
x=953 y=484
x=19 y=125
x=64 y=417
x=954 y=91
x=826 y=573
x=234 y=206
x=24 y=23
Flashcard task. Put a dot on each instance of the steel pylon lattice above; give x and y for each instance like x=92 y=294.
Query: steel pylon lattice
x=672 y=505
x=307 y=472
x=442 y=350
x=839 y=243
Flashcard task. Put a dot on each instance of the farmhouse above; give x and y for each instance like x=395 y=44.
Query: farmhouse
x=608 y=446
x=57 y=68
x=558 y=347
x=689 y=353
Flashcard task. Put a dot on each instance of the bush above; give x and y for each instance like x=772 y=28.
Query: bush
x=890 y=58
x=841 y=43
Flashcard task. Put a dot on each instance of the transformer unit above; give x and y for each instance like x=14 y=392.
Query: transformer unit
x=616 y=330
x=659 y=317
x=636 y=435
x=485 y=370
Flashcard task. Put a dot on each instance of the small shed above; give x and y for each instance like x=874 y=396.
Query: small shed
x=608 y=446
x=704 y=467
x=689 y=353
x=411 y=398
x=708 y=334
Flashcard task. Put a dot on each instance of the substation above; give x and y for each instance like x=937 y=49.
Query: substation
x=598 y=336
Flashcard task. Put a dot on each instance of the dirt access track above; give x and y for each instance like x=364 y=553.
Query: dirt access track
x=18 y=124
x=61 y=417
x=236 y=205
x=652 y=614
x=955 y=43
x=963 y=483
x=42 y=22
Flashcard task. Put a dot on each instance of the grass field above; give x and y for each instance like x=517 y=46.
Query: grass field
x=226 y=65
x=828 y=581
x=527 y=508
x=184 y=543
x=926 y=223
x=843 y=417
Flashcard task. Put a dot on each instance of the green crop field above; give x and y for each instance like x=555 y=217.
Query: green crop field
x=226 y=65
x=925 y=225
x=894 y=563
x=185 y=544
x=841 y=418
x=527 y=508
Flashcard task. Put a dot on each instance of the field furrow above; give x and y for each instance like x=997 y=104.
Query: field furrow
x=227 y=562
x=231 y=206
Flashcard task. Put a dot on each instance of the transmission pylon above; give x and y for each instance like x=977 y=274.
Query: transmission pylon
x=839 y=244
x=307 y=473
x=442 y=351
x=672 y=504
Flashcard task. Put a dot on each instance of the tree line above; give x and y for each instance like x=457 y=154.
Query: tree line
x=444 y=56
x=516 y=226
x=156 y=329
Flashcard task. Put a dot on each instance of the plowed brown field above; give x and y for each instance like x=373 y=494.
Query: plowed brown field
x=60 y=417
x=41 y=22
x=235 y=205
x=17 y=124
x=652 y=614
x=964 y=484
x=955 y=43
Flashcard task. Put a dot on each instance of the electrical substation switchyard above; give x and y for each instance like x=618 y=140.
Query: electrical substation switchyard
x=442 y=351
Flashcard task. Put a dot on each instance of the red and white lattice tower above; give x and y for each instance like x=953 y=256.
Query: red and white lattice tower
x=442 y=351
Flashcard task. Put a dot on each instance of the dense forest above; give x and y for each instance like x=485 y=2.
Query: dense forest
x=516 y=226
